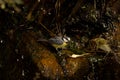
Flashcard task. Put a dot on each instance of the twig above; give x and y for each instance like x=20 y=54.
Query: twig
x=51 y=33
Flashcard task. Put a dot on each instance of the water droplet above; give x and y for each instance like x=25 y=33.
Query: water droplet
x=41 y=8
x=13 y=12
x=22 y=56
x=17 y=60
x=42 y=71
x=1 y=41
x=16 y=50
x=23 y=73
x=49 y=13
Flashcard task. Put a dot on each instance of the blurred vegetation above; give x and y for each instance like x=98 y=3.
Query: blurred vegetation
x=93 y=26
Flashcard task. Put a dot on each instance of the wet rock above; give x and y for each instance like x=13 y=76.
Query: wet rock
x=42 y=56
x=76 y=65
x=48 y=65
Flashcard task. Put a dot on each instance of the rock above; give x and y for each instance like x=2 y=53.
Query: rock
x=43 y=57
x=49 y=66
x=77 y=66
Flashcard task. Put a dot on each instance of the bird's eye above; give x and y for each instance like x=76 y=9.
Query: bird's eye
x=68 y=38
x=65 y=40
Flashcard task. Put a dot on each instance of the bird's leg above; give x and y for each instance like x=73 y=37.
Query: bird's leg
x=58 y=52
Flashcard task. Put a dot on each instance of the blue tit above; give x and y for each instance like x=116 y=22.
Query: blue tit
x=59 y=42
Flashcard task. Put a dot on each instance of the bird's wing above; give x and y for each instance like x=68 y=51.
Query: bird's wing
x=56 y=41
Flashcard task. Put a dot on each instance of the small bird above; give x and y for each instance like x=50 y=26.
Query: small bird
x=58 y=42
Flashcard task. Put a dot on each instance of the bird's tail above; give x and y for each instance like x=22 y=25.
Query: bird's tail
x=42 y=40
